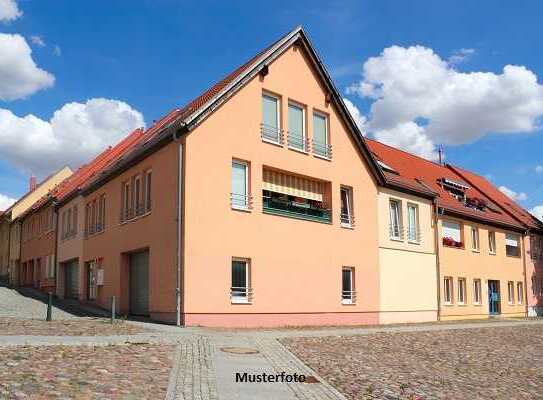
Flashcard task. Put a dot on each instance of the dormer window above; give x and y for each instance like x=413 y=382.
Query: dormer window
x=455 y=188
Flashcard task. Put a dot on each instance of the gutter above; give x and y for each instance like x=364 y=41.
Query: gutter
x=179 y=303
x=524 y=255
x=55 y=226
x=438 y=265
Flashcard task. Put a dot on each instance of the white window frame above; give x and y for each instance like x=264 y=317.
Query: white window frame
x=237 y=299
x=475 y=243
x=349 y=192
x=510 y=292
x=352 y=295
x=448 y=286
x=517 y=236
x=462 y=291
x=399 y=221
x=326 y=134
x=477 y=291
x=520 y=292
x=292 y=103
x=242 y=207
x=416 y=227
x=148 y=193
x=492 y=242
x=278 y=116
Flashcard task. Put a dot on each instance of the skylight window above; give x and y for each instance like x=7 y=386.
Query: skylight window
x=386 y=167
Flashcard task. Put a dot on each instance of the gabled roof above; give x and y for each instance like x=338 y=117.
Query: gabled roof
x=506 y=203
x=415 y=170
x=194 y=112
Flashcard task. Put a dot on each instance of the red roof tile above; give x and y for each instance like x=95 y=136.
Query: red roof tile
x=414 y=169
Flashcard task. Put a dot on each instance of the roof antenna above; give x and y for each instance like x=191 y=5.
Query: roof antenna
x=440 y=152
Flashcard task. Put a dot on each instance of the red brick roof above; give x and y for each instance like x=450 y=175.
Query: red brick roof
x=506 y=203
x=416 y=171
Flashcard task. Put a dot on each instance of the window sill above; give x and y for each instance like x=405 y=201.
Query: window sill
x=242 y=209
x=240 y=301
x=322 y=157
x=417 y=242
x=91 y=235
x=491 y=253
x=396 y=239
x=347 y=226
x=475 y=251
x=454 y=247
x=512 y=256
x=462 y=304
x=269 y=141
x=302 y=151
x=135 y=218
x=477 y=304
x=348 y=303
x=448 y=304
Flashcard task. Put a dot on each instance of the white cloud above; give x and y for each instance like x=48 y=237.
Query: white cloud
x=410 y=137
x=37 y=40
x=512 y=194
x=537 y=212
x=9 y=11
x=410 y=85
x=75 y=133
x=358 y=118
x=459 y=56
x=5 y=202
x=57 y=51
x=539 y=169
x=19 y=75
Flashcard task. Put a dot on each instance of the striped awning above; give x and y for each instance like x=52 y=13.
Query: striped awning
x=291 y=185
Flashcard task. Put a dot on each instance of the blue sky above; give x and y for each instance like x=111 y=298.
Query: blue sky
x=156 y=55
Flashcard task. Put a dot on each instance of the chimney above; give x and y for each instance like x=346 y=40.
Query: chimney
x=32 y=183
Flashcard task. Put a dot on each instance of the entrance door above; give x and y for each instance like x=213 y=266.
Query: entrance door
x=91 y=281
x=71 y=281
x=139 y=283
x=494 y=297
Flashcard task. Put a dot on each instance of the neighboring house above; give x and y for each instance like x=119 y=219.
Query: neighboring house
x=255 y=205
x=407 y=255
x=480 y=262
x=72 y=280
x=10 y=245
x=532 y=239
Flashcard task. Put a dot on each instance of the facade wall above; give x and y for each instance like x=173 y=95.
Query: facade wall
x=533 y=244
x=70 y=245
x=38 y=247
x=295 y=265
x=4 y=248
x=469 y=264
x=155 y=231
x=14 y=251
x=407 y=268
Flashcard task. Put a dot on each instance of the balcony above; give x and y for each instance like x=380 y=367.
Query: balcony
x=289 y=206
x=271 y=134
x=298 y=142
x=322 y=150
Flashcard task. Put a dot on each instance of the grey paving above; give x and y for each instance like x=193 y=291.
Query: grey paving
x=15 y=305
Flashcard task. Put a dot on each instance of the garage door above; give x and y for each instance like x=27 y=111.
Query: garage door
x=71 y=270
x=139 y=283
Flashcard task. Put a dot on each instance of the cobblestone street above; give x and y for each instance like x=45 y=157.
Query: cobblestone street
x=478 y=363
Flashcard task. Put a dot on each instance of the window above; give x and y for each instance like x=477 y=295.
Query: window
x=102 y=214
x=126 y=211
x=320 y=136
x=474 y=238
x=347 y=219
x=448 y=290
x=296 y=127
x=50 y=266
x=137 y=195
x=520 y=292
x=69 y=222
x=512 y=245
x=413 y=223
x=510 y=292
x=148 y=186
x=348 y=294
x=477 y=291
x=396 y=230
x=93 y=217
x=240 y=292
x=239 y=197
x=63 y=228
x=461 y=290
x=75 y=216
x=492 y=242
x=270 y=119
x=452 y=234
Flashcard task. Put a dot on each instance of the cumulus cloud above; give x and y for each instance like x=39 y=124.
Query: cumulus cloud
x=460 y=56
x=539 y=169
x=520 y=196
x=57 y=51
x=358 y=118
x=37 y=40
x=411 y=85
x=537 y=212
x=5 y=202
x=9 y=11
x=75 y=133
x=19 y=75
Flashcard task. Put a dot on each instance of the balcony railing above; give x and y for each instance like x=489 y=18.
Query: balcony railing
x=322 y=149
x=271 y=134
x=298 y=142
x=296 y=210
x=396 y=232
x=348 y=296
x=241 y=294
x=241 y=201
x=414 y=235
x=347 y=219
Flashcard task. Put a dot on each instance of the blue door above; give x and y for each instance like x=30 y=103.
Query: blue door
x=494 y=297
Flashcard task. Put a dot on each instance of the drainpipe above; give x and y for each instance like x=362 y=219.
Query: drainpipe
x=10 y=283
x=179 y=234
x=526 y=234
x=438 y=270
x=55 y=226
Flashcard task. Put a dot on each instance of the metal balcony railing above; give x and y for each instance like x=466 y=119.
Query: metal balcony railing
x=322 y=149
x=241 y=201
x=347 y=219
x=271 y=134
x=298 y=142
x=414 y=235
x=348 y=296
x=241 y=294
x=396 y=232
x=295 y=210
